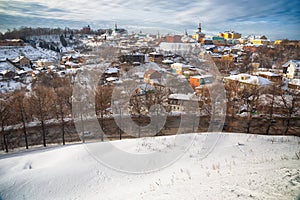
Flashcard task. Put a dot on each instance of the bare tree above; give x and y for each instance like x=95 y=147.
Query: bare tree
x=63 y=107
x=233 y=97
x=42 y=104
x=5 y=116
x=291 y=106
x=103 y=103
x=268 y=104
x=250 y=97
x=20 y=108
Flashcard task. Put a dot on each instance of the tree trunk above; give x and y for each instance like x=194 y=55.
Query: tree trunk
x=43 y=133
x=120 y=133
x=82 y=126
x=25 y=133
x=248 y=125
x=102 y=126
x=287 y=125
x=268 y=128
x=63 y=129
x=5 y=142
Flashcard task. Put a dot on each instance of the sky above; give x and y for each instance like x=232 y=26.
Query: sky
x=276 y=19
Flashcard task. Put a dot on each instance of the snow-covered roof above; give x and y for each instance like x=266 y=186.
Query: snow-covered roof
x=167 y=61
x=269 y=74
x=71 y=63
x=111 y=79
x=17 y=59
x=22 y=72
x=202 y=76
x=155 y=53
x=52 y=67
x=247 y=78
x=295 y=82
x=295 y=63
x=184 y=97
x=181 y=65
x=111 y=70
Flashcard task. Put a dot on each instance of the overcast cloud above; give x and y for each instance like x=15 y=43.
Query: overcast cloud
x=276 y=19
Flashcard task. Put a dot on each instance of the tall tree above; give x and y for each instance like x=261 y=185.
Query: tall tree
x=42 y=103
x=291 y=106
x=20 y=108
x=63 y=107
x=102 y=103
x=5 y=116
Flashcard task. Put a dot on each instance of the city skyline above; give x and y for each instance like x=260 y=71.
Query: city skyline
x=276 y=20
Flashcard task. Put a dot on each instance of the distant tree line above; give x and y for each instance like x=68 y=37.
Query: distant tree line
x=25 y=32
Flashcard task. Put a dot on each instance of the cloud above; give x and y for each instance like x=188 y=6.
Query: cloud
x=216 y=15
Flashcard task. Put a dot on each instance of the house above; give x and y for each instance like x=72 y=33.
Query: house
x=217 y=40
x=270 y=76
x=172 y=38
x=247 y=81
x=111 y=74
x=7 y=74
x=294 y=84
x=21 y=61
x=86 y=30
x=229 y=57
x=12 y=42
x=196 y=81
x=291 y=69
x=180 y=68
x=70 y=64
x=74 y=58
x=230 y=35
x=182 y=102
x=132 y=58
x=250 y=48
x=44 y=63
x=156 y=57
x=260 y=41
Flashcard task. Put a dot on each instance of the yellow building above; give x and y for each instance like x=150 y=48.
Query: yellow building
x=260 y=41
x=230 y=35
x=199 y=36
x=278 y=42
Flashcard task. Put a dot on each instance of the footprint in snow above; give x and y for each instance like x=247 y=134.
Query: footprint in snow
x=28 y=165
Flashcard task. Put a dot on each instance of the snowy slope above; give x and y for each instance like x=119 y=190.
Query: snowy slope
x=239 y=167
x=32 y=53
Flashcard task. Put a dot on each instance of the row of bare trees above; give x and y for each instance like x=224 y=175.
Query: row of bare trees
x=50 y=100
x=40 y=105
x=264 y=102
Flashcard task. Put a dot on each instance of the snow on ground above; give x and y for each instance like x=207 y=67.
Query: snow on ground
x=240 y=166
x=28 y=51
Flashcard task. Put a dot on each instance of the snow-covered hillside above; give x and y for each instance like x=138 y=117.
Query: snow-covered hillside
x=32 y=53
x=239 y=167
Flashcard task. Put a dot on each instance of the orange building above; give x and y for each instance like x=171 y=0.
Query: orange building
x=196 y=81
